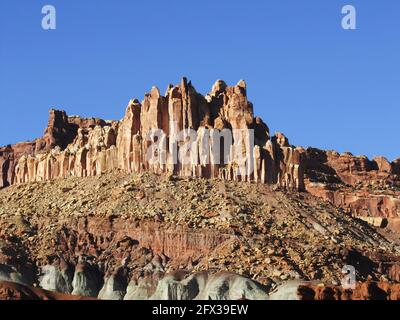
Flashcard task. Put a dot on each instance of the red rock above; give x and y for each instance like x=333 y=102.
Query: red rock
x=72 y=146
x=383 y=164
x=365 y=188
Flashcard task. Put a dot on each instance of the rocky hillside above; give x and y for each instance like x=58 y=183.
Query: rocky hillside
x=123 y=232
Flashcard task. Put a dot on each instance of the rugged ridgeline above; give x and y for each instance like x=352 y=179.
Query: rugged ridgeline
x=79 y=147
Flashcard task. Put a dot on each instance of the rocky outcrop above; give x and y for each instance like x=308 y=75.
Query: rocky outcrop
x=182 y=133
x=57 y=277
x=333 y=167
x=181 y=285
x=363 y=203
x=36 y=160
x=87 y=280
x=368 y=189
x=9 y=157
x=115 y=286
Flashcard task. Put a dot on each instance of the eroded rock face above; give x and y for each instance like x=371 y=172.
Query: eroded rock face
x=227 y=286
x=185 y=120
x=9 y=157
x=368 y=189
x=72 y=146
x=57 y=277
x=114 y=287
x=40 y=159
x=333 y=167
x=87 y=280
x=181 y=285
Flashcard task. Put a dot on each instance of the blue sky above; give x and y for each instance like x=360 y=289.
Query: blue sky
x=319 y=84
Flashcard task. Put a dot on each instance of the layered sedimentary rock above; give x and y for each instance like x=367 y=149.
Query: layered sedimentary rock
x=368 y=189
x=333 y=167
x=182 y=133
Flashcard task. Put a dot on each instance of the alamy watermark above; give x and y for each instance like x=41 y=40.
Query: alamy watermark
x=349 y=21
x=49 y=20
x=349 y=277
x=202 y=147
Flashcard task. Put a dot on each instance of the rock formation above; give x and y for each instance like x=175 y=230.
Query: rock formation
x=18 y=162
x=368 y=189
x=186 y=134
x=182 y=133
x=141 y=225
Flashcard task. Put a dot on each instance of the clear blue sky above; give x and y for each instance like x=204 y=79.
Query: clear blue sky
x=307 y=77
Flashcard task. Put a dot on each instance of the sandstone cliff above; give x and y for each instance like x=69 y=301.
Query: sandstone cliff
x=60 y=132
x=368 y=189
x=229 y=143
